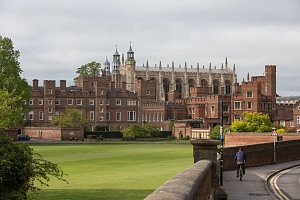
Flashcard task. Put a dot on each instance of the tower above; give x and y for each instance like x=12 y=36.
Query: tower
x=116 y=69
x=107 y=67
x=130 y=70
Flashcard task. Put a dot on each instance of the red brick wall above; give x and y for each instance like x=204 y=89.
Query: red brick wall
x=241 y=139
x=52 y=133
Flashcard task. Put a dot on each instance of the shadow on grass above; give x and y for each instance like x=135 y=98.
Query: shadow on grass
x=89 y=194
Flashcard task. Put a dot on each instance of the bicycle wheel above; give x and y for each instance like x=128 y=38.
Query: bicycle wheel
x=241 y=173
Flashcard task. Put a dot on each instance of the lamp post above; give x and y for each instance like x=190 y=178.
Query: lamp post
x=274 y=134
x=221 y=139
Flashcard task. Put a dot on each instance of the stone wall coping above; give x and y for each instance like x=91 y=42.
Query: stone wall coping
x=184 y=185
x=258 y=134
x=205 y=142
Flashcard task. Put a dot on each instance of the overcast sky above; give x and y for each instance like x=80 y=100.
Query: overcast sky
x=57 y=36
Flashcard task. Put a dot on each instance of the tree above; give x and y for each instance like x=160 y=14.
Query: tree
x=253 y=122
x=215 y=132
x=21 y=169
x=72 y=118
x=9 y=109
x=11 y=83
x=91 y=69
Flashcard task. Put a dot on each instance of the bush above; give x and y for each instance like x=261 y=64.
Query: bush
x=21 y=169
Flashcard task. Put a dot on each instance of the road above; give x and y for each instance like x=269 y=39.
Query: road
x=254 y=185
x=286 y=184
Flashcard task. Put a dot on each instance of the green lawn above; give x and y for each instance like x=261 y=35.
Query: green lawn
x=113 y=171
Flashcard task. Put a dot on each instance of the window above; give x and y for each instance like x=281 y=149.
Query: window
x=92 y=115
x=131 y=102
x=249 y=105
x=41 y=115
x=40 y=101
x=298 y=119
x=190 y=111
x=237 y=117
x=79 y=102
x=282 y=123
x=225 y=109
x=292 y=123
x=108 y=116
x=237 y=105
x=131 y=115
x=118 y=102
x=31 y=102
x=92 y=102
x=57 y=113
x=101 y=102
x=70 y=101
x=31 y=115
x=49 y=110
x=101 y=110
x=107 y=102
x=57 y=101
x=50 y=118
x=298 y=107
x=50 y=91
x=212 y=109
x=101 y=92
x=101 y=118
x=50 y=102
x=118 y=116
x=269 y=105
x=249 y=94
x=161 y=117
x=148 y=92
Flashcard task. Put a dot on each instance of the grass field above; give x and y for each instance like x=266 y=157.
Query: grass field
x=113 y=171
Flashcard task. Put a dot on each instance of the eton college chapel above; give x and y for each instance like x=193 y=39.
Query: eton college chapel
x=125 y=93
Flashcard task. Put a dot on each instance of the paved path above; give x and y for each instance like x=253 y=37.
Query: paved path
x=254 y=184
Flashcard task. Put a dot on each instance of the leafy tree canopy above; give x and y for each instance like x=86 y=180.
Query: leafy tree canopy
x=72 y=118
x=91 y=69
x=12 y=86
x=253 y=122
x=215 y=132
x=22 y=170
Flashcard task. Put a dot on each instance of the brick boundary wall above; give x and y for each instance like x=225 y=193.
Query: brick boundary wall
x=263 y=154
x=247 y=138
x=53 y=133
x=193 y=183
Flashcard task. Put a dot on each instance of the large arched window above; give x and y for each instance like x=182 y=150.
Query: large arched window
x=216 y=87
x=191 y=83
x=179 y=88
x=166 y=86
x=227 y=87
x=204 y=83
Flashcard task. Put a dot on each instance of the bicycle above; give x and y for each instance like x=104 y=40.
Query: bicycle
x=240 y=172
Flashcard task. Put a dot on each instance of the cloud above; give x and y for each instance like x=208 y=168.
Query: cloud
x=55 y=37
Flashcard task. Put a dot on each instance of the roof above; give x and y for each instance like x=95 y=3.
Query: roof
x=194 y=69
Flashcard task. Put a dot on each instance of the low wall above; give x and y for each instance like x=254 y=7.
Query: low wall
x=263 y=154
x=192 y=184
x=53 y=133
x=247 y=138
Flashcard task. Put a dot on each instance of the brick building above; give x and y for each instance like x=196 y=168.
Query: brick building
x=130 y=94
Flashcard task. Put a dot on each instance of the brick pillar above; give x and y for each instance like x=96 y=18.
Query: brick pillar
x=207 y=150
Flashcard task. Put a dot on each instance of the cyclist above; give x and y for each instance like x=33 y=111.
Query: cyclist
x=240 y=158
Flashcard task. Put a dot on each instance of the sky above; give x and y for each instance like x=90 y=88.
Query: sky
x=55 y=37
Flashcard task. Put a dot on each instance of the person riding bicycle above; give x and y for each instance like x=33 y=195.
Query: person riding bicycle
x=240 y=158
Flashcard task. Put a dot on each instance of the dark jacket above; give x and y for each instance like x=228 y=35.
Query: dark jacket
x=240 y=157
